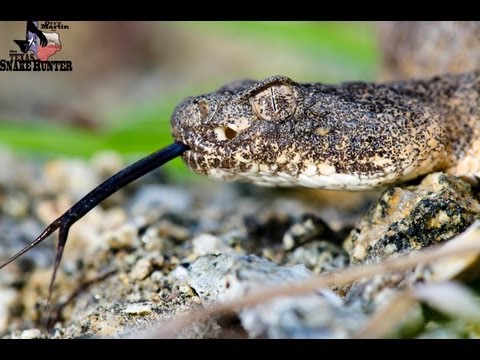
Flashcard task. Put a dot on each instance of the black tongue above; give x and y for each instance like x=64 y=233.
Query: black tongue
x=95 y=197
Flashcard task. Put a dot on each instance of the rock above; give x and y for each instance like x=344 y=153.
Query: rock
x=31 y=334
x=17 y=234
x=224 y=277
x=186 y=290
x=138 y=309
x=267 y=227
x=319 y=256
x=152 y=241
x=16 y=205
x=302 y=317
x=157 y=276
x=204 y=244
x=370 y=294
x=219 y=278
x=158 y=197
x=7 y=297
x=207 y=328
x=75 y=177
x=107 y=163
x=179 y=274
x=402 y=220
x=141 y=270
x=155 y=244
x=311 y=227
x=15 y=171
x=124 y=237
x=172 y=231
x=462 y=267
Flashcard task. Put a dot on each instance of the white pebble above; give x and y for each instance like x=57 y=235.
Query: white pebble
x=31 y=334
x=204 y=244
x=138 y=309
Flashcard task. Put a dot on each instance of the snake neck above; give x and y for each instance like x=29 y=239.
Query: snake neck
x=456 y=98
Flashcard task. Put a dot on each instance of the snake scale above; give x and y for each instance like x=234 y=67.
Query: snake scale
x=350 y=136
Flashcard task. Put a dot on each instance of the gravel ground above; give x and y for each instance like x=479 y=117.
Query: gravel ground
x=157 y=249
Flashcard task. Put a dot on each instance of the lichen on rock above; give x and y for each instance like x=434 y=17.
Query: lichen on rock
x=411 y=218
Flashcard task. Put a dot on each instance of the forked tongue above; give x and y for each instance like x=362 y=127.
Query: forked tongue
x=95 y=197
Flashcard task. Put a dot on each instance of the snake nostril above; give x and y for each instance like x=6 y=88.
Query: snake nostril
x=225 y=133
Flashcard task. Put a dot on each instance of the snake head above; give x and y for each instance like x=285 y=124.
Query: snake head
x=237 y=132
x=277 y=132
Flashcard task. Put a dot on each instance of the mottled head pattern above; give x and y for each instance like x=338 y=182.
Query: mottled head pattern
x=353 y=136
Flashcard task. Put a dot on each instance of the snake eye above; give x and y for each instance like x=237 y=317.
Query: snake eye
x=277 y=102
x=203 y=107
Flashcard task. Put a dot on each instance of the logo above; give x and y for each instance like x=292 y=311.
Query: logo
x=34 y=52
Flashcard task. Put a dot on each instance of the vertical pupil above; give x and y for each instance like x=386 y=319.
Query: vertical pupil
x=274 y=103
x=274 y=106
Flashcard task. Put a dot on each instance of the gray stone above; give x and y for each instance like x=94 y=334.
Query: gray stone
x=204 y=244
x=220 y=278
x=319 y=256
x=224 y=277
x=160 y=197
x=311 y=316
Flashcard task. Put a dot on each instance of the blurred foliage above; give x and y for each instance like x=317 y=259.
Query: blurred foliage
x=138 y=129
x=351 y=46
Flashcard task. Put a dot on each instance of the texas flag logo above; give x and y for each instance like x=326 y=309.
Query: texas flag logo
x=42 y=44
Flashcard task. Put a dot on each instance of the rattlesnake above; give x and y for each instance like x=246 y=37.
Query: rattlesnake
x=351 y=136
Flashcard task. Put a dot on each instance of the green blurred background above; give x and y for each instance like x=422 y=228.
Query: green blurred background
x=128 y=76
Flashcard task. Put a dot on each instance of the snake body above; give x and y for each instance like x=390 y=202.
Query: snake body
x=349 y=136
